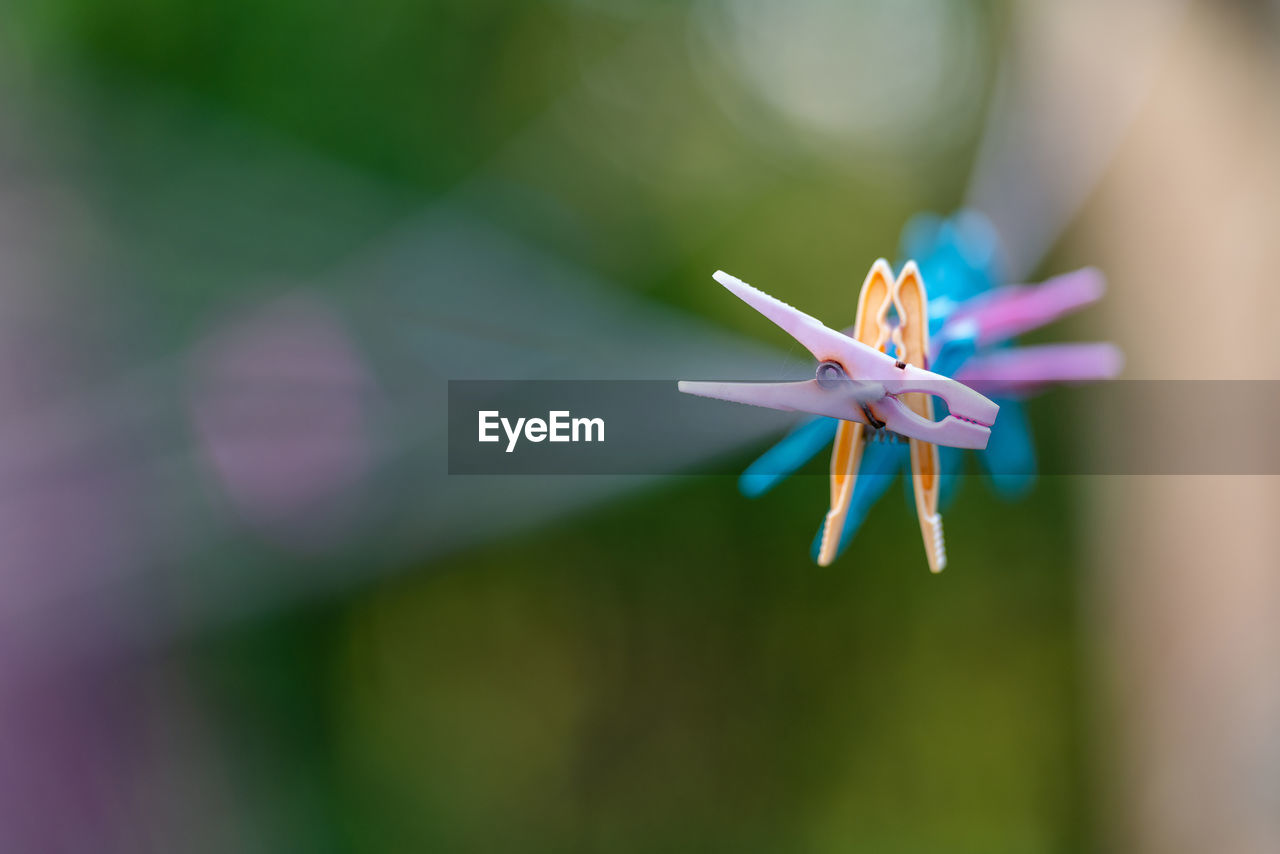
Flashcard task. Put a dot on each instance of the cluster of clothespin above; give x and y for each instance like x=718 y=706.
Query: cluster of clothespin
x=875 y=384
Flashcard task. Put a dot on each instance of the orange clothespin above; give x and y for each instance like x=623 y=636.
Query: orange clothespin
x=910 y=337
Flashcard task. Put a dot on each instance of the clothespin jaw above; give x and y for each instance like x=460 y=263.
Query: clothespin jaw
x=855 y=382
x=912 y=338
x=871 y=327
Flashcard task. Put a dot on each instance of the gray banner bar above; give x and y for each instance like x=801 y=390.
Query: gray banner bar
x=1125 y=427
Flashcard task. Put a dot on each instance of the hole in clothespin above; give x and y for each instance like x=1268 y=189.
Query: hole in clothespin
x=829 y=374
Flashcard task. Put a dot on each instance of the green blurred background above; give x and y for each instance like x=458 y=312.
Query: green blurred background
x=662 y=672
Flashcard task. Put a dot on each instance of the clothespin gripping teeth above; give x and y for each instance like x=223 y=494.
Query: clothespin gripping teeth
x=872 y=328
x=912 y=341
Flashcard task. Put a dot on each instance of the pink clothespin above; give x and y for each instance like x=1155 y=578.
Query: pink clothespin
x=1007 y=312
x=1021 y=370
x=855 y=382
x=1010 y=311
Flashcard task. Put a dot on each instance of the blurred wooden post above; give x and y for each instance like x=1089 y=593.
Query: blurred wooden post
x=1186 y=583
